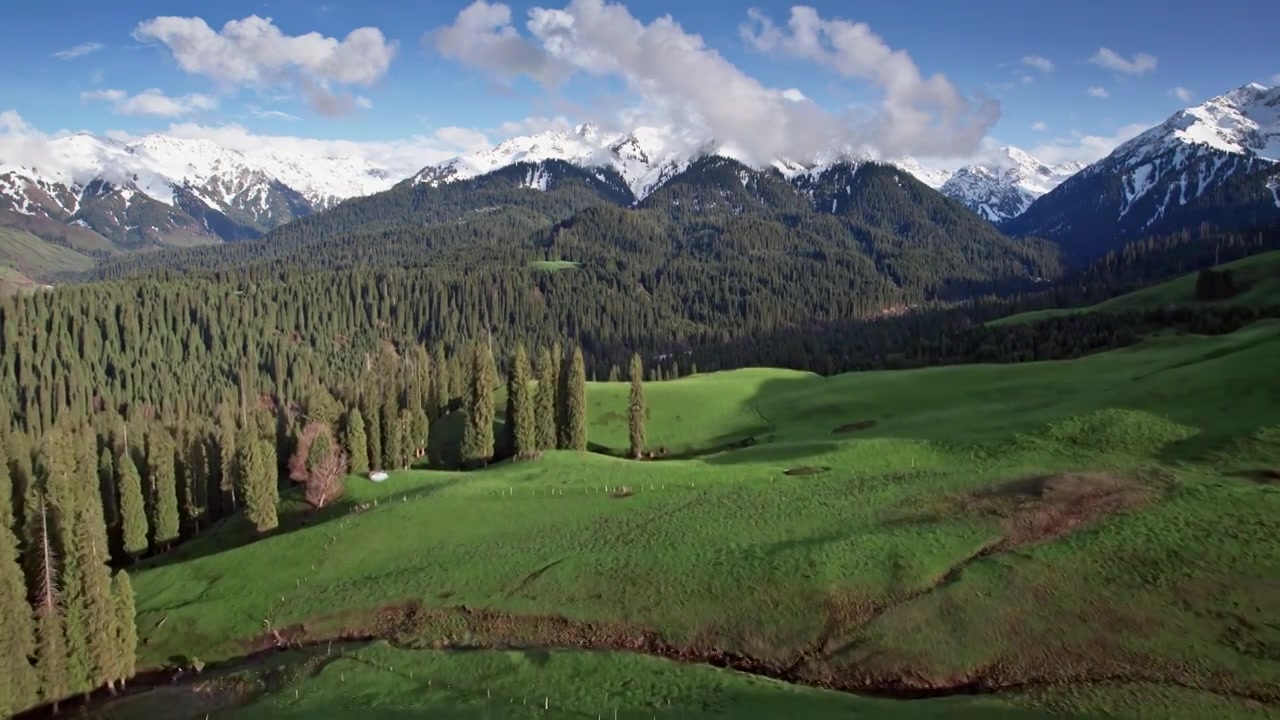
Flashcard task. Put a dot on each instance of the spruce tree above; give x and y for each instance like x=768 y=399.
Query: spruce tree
x=92 y=558
x=133 y=508
x=164 y=485
x=258 y=470
x=439 y=392
x=126 y=628
x=520 y=424
x=357 y=445
x=228 y=479
x=107 y=486
x=197 y=480
x=575 y=403
x=404 y=430
x=636 y=408
x=51 y=653
x=477 y=432
x=375 y=439
x=18 y=682
x=545 y=406
x=64 y=495
x=419 y=432
x=392 y=436
x=562 y=397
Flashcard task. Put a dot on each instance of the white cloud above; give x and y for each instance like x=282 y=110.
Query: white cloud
x=258 y=112
x=1181 y=93
x=679 y=80
x=1042 y=64
x=1111 y=60
x=403 y=157
x=532 y=126
x=794 y=95
x=1275 y=79
x=1085 y=148
x=97 y=76
x=80 y=50
x=364 y=103
x=1039 y=126
x=918 y=115
x=1099 y=92
x=151 y=102
x=466 y=139
x=253 y=52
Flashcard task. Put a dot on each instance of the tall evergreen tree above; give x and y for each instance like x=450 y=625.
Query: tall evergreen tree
x=258 y=470
x=357 y=445
x=164 y=485
x=133 y=508
x=545 y=411
x=439 y=383
x=477 y=432
x=419 y=432
x=18 y=681
x=64 y=492
x=228 y=477
x=520 y=427
x=196 y=499
x=636 y=407
x=575 y=403
x=107 y=486
x=92 y=558
x=51 y=644
x=126 y=628
x=392 y=435
x=562 y=382
x=375 y=439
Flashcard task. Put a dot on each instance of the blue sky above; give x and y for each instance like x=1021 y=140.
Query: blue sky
x=1068 y=78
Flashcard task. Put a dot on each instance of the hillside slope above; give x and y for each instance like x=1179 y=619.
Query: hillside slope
x=1256 y=278
x=930 y=531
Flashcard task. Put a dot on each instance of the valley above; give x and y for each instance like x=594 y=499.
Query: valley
x=391 y=361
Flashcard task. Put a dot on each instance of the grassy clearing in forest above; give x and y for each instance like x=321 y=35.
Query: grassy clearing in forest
x=1098 y=534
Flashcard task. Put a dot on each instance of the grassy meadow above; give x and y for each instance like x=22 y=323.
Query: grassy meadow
x=1083 y=538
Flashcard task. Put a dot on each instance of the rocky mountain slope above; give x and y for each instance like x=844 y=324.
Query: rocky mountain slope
x=1006 y=187
x=1217 y=163
x=161 y=190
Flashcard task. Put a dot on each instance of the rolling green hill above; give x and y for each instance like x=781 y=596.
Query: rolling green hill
x=1258 y=276
x=1086 y=537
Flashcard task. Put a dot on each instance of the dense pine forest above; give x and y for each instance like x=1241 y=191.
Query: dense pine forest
x=182 y=387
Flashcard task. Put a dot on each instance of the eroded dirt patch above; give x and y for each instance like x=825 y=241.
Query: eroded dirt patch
x=854 y=427
x=1040 y=508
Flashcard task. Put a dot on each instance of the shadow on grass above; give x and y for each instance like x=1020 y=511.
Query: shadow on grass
x=294 y=514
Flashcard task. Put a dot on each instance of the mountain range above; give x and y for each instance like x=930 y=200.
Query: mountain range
x=1213 y=163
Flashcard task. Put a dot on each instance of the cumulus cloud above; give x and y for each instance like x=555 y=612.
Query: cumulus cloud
x=1039 y=126
x=466 y=139
x=1111 y=60
x=1181 y=93
x=1079 y=147
x=1099 y=92
x=151 y=102
x=80 y=50
x=679 y=80
x=1042 y=64
x=532 y=126
x=918 y=115
x=253 y=52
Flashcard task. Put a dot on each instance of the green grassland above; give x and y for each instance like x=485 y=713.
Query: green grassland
x=1085 y=538
x=30 y=256
x=553 y=265
x=1258 y=275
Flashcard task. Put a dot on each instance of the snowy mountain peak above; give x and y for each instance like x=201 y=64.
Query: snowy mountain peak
x=1007 y=185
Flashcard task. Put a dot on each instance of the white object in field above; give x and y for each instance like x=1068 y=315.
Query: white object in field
x=378 y=476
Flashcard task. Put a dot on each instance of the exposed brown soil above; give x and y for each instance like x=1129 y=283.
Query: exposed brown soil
x=854 y=427
x=804 y=470
x=1040 y=508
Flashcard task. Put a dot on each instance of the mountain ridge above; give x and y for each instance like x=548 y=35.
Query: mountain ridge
x=1168 y=178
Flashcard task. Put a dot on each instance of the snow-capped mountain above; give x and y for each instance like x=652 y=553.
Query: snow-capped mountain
x=1214 y=163
x=162 y=190
x=1006 y=187
x=645 y=157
